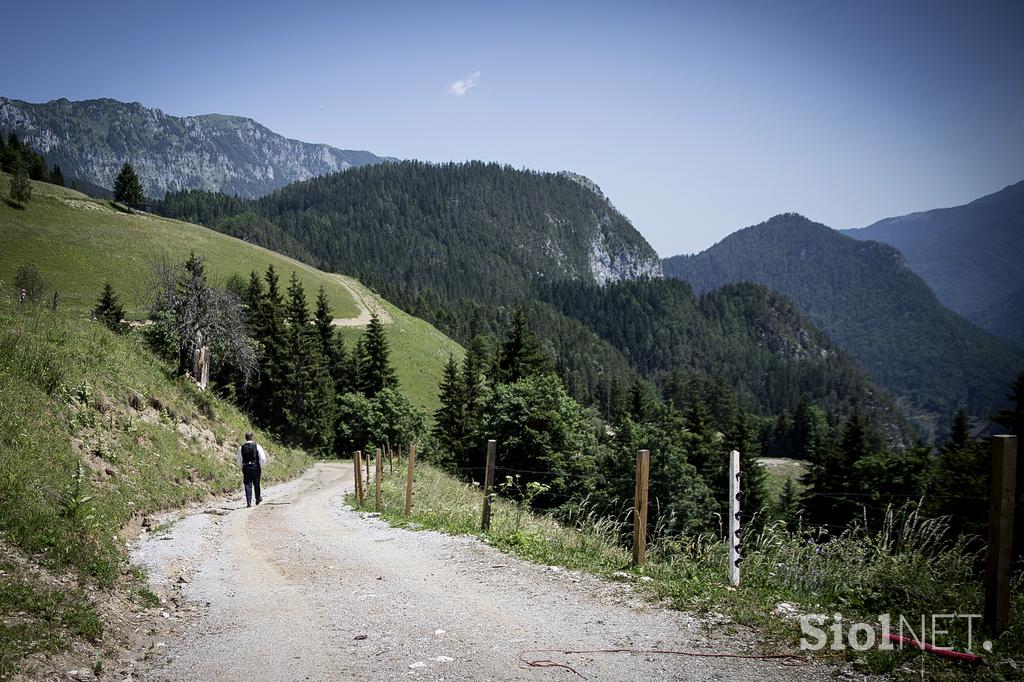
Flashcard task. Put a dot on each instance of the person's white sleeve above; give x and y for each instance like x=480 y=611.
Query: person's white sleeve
x=238 y=456
x=263 y=454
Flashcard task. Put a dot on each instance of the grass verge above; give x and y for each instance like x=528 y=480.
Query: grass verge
x=907 y=569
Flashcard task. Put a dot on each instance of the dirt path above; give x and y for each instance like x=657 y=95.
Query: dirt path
x=366 y=304
x=304 y=588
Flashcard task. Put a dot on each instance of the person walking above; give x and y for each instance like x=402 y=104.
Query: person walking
x=251 y=457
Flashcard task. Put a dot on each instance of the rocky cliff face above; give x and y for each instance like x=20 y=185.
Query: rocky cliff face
x=608 y=265
x=608 y=262
x=91 y=139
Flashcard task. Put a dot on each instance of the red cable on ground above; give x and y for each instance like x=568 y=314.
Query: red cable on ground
x=938 y=651
x=787 y=659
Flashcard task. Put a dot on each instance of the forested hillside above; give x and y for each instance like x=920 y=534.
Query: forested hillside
x=463 y=244
x=474 y=230
x=746 y=334
x=863 y=295
x=968 y=255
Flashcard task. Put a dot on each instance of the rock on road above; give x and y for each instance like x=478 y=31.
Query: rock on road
x=304 y=588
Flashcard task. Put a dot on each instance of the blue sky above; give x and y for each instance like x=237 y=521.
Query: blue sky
x=696 y=119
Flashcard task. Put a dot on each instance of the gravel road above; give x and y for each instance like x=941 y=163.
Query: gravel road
x=304 y=588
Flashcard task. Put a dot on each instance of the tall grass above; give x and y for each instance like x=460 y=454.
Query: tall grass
x=446 y=504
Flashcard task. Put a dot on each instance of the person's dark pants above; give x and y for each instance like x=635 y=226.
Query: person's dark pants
x=251 y=477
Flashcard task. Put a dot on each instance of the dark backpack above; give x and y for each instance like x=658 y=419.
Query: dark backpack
x=250 y=455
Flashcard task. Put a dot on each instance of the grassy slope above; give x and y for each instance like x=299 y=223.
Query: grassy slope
x=418 y=351
x=80 y=245
x=96 y=432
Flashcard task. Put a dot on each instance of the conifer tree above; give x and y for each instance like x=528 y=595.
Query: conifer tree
x=324 y=324
x=375 y=370
x=788 y=507
x=450 y=418
x=56 y=176
x=109 y=310
x=830 y=480
x=1013 y=417
x=253 y=298
x=753 y=478
x=10 y=153
x=266 y=401
x=520 y=354
x=128 y=188
x=21 y=188
x=473 y=386
x=307 y=384
x=960 y=433
x=36 y=166
x=637 y=401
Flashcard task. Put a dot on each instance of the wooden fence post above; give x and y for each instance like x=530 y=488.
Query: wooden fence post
x=734 y=518
x=1000 y=533
x=408 y=481
x=367 y=469
x=357 y=460
x=376 y=480
x=492 y=451
x=643 y=468
x=391 y=460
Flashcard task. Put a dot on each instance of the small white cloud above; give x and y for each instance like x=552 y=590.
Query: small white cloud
x=461 y=87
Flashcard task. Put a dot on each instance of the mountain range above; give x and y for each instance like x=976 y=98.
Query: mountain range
x=91 y=139
x=459 y=244
x=863 y=294
x=969 y=255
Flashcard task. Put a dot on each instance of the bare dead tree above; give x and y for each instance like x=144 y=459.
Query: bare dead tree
x=199 y=315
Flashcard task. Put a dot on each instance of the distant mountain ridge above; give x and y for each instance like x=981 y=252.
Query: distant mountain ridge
x=969 y=255
x=865 y=297
x=90 y=140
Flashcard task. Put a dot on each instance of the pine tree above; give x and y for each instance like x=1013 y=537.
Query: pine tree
x=128 y=188
x=21 y=188
x=830 y=480
x=375 y=370
x=324 y=322
x=1013 y=418
x=297 y=311
x=788 y=507
x=473 y=386
x=109 y=310
x=332 y=345
x=450 y=418
x=10 y=153
x=306 y=382
x=520 y=355
x=253 y=298
x=36 y=166
x=754 y=479
x=960 y=433
x=266 y=400
x=637 y=401
x=56 y=176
